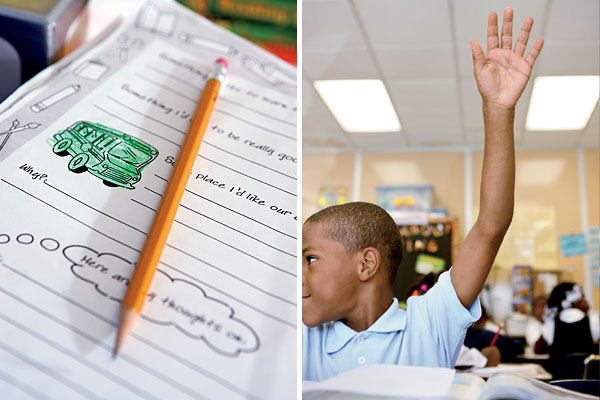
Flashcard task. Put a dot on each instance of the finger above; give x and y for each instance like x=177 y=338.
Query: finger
x=507 y=28
x=492 y=31
x=534 y=52
x=478 y=56
x=523 y=36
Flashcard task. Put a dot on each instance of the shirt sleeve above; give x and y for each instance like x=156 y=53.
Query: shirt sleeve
x=548 y=331
x=533 y=331
x=446 y=317
x=595 y=325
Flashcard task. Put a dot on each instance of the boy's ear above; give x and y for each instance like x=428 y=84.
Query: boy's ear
x=370 y=263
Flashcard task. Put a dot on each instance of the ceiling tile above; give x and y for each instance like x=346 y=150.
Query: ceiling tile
x=474 y=137
x=330 y=25
x=324 y=141
x=446 y=137
x=568 y=59
x=400 y=23
x=434 y=120
x=343 y=64
x=471 y=105
x=419 y=94
x=573 y=21
x=432 y=62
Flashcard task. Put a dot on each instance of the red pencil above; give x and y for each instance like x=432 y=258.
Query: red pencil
x=493 y=342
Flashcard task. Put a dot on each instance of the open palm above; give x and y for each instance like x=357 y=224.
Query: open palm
x=503 y=74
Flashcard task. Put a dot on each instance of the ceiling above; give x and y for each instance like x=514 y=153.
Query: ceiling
x=420 y=49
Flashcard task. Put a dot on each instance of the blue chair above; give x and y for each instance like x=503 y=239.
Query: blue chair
x=586 y=386
x=591 y=367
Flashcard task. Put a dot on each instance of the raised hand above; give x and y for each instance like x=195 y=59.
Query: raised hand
x=503 y=73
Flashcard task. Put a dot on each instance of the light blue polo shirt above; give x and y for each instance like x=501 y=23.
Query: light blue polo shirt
x=429 y=333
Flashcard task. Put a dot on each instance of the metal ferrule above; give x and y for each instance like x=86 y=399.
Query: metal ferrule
x=219 y=72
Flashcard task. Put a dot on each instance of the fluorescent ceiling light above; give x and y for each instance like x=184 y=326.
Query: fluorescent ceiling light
x=560 y=103
x=359 y=105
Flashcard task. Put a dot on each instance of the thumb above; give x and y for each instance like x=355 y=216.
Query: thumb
x=478 y=56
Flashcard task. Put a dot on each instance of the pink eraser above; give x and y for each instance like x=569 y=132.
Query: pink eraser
x=224 y=62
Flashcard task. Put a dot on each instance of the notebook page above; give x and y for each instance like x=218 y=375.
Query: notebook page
x=220 y=317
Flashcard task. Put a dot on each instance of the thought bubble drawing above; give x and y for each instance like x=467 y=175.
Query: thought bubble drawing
x=108 y=273
x=184 y=305
x=170 y=303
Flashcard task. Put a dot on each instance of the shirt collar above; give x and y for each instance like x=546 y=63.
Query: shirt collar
x=571 y=315
x=338 y=333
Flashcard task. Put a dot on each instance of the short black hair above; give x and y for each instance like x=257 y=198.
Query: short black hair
x=359 y=225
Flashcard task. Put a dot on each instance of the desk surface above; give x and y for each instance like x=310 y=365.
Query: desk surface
x=530 y=355
x=529 y=370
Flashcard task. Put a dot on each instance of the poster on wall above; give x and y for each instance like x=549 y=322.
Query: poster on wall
x=594 y=254
x=331 y=196
x=573 y=245
x=397 y=197
x=594 y=247
x=522 y=282
x=428 y=248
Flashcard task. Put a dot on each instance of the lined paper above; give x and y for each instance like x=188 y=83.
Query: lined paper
x=220 y=317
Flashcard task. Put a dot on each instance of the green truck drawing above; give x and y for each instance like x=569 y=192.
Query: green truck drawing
x=111 y=155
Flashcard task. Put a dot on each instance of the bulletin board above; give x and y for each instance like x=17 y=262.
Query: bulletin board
x=425 y=246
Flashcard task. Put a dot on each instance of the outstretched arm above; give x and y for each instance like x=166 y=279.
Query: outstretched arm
x=501 y=77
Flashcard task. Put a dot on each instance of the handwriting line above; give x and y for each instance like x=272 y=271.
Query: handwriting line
x=30 y=390
x=95 y=209
x=228 y=294
x=220 y=223
x=230 y=209
x=236 y=248
x=237 y=230
x=246 y=159
x=216 y=147
x=60 y=378
x=136 y=126
x=76 y=357
x=107 y=347
x=224 y=97
x=70 y=216
x=237 y=278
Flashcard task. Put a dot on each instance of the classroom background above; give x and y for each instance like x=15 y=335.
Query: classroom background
x=429 y=167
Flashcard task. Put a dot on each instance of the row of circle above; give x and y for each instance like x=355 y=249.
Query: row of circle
x=27 y=238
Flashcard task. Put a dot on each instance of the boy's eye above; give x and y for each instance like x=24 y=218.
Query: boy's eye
x=311 y=259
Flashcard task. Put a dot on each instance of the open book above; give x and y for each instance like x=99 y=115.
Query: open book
x=86 y=149
x=404 y=382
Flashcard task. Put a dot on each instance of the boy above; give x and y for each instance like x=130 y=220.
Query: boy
x=351 y=252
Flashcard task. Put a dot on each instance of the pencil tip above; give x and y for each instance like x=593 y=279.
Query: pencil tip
x=126 y=319
x=117 y=346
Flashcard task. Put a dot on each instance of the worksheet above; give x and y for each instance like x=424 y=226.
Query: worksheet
x=82 y=172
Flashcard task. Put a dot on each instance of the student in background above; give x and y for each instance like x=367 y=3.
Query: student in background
x=485 y=322
x=567 y=317
x=533 y=331
x=351 y=252
x=570 y=332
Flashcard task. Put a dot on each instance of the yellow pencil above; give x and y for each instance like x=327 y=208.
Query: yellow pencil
x=140 y=282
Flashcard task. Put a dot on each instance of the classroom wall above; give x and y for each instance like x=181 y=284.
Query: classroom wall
x=592 y=175
x=318 y=170
x=547 y=186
